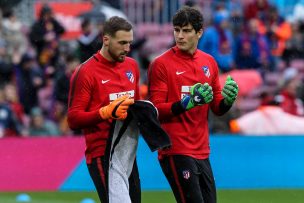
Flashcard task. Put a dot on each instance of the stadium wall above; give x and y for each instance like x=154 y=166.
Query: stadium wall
x=239 y=162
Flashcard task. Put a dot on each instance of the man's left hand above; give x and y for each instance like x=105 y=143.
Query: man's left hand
x=230 y=91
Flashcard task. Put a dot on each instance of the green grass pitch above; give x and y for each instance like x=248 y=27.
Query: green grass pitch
x=224 y=196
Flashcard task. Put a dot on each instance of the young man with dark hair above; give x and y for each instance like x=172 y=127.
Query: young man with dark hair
x=183 y=85
x=101 y=91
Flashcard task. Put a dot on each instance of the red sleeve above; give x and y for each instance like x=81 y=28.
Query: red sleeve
x=158 y=89
x=79 y=99
x=216 y=88
x=137 y=95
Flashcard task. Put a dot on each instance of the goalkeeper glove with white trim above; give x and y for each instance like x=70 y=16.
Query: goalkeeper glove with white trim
x=199 y=95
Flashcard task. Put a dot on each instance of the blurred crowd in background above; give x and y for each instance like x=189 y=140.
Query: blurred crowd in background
x=254 y=41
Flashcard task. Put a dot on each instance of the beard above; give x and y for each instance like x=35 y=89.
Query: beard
x=118 y=58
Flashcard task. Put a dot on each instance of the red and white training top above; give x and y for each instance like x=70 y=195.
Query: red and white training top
x=170 y=77
x=94 y=84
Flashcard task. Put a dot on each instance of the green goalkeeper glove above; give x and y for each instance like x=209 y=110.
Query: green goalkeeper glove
x=199 y=95
x=230 y=91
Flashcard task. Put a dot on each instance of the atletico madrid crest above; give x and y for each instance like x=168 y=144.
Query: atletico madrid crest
x=130 y=76
x=186 y=174
x=206 y=71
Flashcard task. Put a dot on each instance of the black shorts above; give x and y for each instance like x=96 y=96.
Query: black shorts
x=191 y=179
x=99 y=174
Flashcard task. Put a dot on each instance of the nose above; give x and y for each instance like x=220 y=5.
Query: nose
x=127 y=47
x=180 y=35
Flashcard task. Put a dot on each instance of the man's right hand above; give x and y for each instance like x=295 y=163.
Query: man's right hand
x=117 y=109
x=199 y=95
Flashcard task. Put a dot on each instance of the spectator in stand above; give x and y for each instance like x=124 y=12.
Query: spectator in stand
x=28 y=79
x=289 y=97
x=9 y=125
x=218 y=41
x=40 y=126
x=6 y=70
x=13 y=101
x=61 y=92
x=256 y=9
x=251 y=48
x=295 y=45
x=277 y=31
x=62 y=79
x=89 y=41
x=13 y=34
x=44 y=35
x=235 y=8
x=46 y=95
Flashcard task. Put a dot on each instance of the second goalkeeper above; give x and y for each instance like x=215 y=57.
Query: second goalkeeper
x=184 y=85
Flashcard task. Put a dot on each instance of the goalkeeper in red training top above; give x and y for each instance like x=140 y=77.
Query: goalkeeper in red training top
x=183 y=85
x=102 y=89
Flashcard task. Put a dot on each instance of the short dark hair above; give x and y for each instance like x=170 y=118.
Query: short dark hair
x=188 y=15
x=85 y=23
x=45 y=9
x=115 y=24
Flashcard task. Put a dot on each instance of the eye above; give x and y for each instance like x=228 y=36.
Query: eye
x=123 y=42
x=188 y=30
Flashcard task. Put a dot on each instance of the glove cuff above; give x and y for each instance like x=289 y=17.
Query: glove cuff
x=228 y=103
x=104 y=113
x=177 y=108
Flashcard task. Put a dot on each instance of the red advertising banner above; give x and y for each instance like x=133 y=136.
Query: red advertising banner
x=66 y=13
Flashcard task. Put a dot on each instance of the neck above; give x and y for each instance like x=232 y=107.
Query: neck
x=106 y=54
x=188 y=52
x=191 y=51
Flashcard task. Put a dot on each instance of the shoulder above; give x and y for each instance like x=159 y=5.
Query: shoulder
x=206 y=58
x=85 y=66
x=85 y=69
x=163 y=58
x=202 y=54
x=130 y=64
x=131 y=61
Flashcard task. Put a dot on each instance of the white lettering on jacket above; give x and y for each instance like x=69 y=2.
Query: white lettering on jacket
x=185 y=91
x=114 y=96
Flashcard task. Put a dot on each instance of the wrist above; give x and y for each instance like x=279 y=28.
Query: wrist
x=187 y=102
x=104 y=113
x=177 y=108
x=224 y=107
x=228 y=102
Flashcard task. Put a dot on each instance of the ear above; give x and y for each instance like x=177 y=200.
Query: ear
x=200 y=33
x=106 y=40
